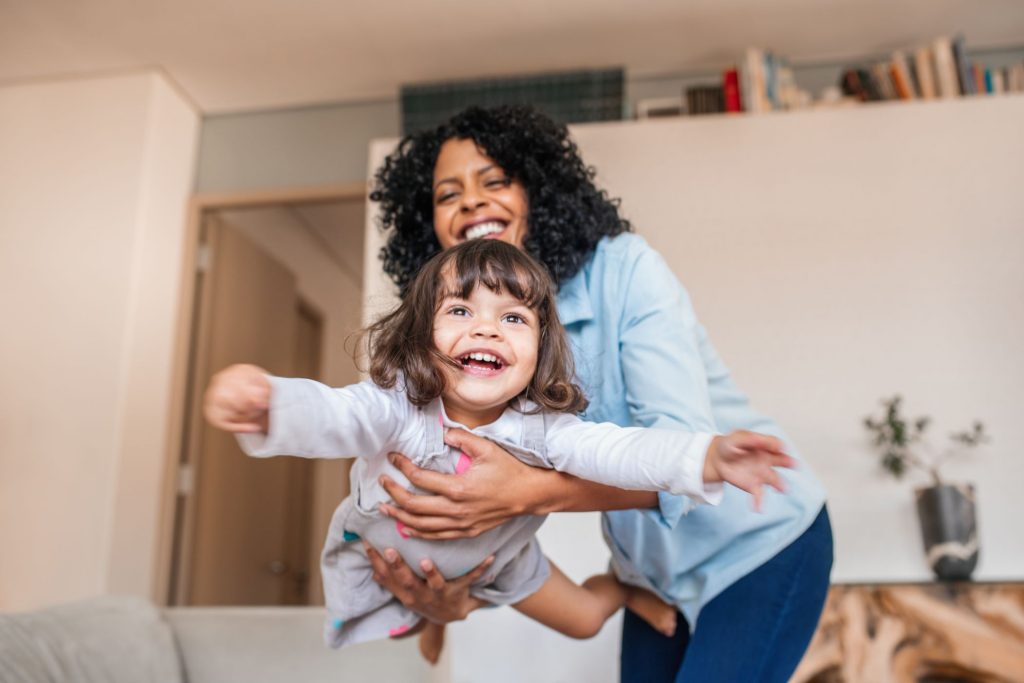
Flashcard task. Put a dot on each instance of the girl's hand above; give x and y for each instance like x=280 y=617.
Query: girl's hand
x=434 y=598
x=495 y=488
x=238 y=399
x=745 y=460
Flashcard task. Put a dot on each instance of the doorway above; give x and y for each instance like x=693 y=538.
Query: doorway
x=277 y=284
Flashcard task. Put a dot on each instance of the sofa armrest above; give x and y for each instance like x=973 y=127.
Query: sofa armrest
x=114 y=639
x=273 y=644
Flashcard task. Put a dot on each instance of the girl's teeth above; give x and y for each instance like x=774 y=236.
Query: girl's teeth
x=483 y=230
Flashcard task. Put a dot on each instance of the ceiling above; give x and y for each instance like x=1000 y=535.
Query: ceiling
x=238 y=55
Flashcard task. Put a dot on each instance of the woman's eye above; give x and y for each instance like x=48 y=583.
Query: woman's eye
x=498 y=182
x=442 y=198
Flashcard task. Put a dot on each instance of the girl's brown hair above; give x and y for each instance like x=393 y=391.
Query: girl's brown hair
x=402 y=342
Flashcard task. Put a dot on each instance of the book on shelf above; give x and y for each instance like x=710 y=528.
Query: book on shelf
x=945 y=68
x=731 y=89
x=705 y=99
x=998 y=81
x=964 y=72
x=924 y=67
x=1015 y=78
x=899 y=71
x=882 y=79
x=754 y=90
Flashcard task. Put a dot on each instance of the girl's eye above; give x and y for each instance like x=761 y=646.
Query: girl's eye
x=515 y=319
x=458 y=310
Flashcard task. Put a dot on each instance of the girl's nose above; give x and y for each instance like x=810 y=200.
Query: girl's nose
x=486 y=329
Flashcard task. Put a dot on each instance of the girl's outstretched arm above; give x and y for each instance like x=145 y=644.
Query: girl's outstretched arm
x=494 y=489
x=238 y=399
x=292 y=416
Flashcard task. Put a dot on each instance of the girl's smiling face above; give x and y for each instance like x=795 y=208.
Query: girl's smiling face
x=474 y=197
x=493 y=339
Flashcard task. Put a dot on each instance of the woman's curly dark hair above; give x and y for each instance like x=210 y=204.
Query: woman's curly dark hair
x=568 y=213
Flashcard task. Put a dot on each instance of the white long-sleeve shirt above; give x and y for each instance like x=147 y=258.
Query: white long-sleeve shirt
x=367 y=422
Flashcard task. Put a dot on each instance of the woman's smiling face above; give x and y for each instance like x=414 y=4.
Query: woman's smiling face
x=474 y=197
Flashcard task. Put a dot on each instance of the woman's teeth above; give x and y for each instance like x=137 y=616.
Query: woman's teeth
x=484 y=229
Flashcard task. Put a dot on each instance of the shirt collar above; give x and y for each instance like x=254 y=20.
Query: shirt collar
x=574 y=300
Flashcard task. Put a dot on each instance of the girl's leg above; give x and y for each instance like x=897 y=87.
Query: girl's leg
x=576 y=611
x=432 y=641
x=580 y=611
x=649 y=607
x=759 y=627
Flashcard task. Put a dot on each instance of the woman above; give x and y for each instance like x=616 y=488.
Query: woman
x=757 y=582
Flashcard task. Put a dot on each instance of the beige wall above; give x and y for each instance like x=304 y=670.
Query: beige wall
x=94 y=180
x=835 y=257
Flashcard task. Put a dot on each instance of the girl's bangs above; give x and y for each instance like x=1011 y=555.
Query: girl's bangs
x=499 y=269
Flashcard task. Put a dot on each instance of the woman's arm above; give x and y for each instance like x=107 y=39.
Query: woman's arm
x=494 y=489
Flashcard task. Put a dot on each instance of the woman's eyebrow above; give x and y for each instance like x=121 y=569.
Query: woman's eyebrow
x=453 y=179
x=441 y=182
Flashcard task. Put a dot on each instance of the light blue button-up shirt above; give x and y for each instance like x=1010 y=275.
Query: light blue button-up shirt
x=644 y=359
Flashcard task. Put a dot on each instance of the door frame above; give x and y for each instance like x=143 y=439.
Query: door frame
x=199 y=205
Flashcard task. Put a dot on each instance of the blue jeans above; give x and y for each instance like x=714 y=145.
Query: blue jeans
x=755 y=631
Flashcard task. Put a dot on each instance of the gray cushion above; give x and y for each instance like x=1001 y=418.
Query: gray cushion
x=103 y=640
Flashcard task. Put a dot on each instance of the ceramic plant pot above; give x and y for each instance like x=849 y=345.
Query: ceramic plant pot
x=949 y=530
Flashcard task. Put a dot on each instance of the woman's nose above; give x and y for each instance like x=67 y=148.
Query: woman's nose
x=472 y=199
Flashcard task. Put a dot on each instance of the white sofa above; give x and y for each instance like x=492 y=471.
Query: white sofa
x=128 y=640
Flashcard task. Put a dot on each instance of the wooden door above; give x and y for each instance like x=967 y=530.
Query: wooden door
x=246 y=529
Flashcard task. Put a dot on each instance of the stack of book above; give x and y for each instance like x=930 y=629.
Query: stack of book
x=705 y=99
x=939 y=70
x=765 y=82
x=769 y=85
x=715 y=99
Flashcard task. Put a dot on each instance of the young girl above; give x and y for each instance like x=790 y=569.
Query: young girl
x=476 y=343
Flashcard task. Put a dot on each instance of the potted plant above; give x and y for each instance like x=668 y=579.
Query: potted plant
x=946 y=511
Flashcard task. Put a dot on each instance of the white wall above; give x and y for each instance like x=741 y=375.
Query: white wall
x=836 y=257
x=94 y=179
x=302 y=147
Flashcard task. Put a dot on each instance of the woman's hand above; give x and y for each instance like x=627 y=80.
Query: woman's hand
x=434 y=598
x=495 y=488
